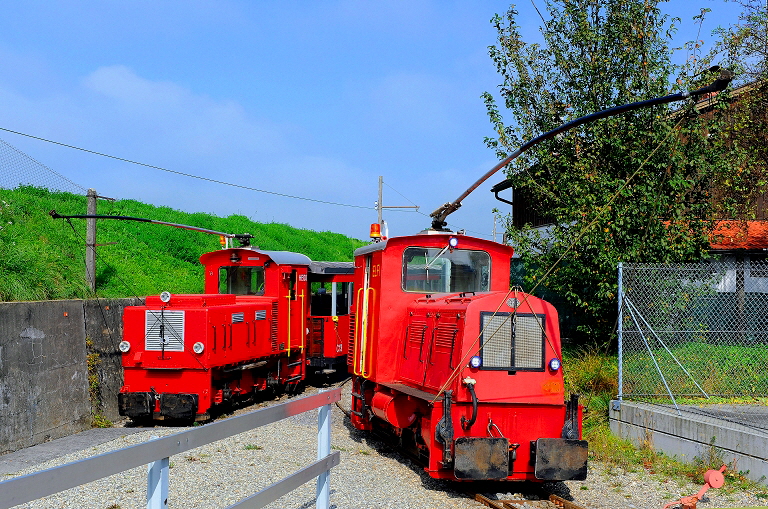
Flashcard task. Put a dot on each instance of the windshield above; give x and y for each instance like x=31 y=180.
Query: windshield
x=241 y=280
x=436 y=270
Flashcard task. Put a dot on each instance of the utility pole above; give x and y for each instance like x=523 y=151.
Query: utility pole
x=90 y=241
x=90 y=238
x=380 y=206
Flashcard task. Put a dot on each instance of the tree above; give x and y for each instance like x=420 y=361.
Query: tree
x=623 y=189
x=743 y=130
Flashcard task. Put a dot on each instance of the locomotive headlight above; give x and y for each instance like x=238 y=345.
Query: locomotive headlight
x=124 y=346
x=198 y=347
x=475 y=362
x=453 y=242
x=554 y=364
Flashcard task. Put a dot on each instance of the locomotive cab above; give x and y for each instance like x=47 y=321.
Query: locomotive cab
x=463 y=370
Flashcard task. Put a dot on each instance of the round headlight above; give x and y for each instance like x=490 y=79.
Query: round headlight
x=453 y=242
x=165 y=296
x=554 y=364
x=198 y=347
x=124 y=346
x=475 y=362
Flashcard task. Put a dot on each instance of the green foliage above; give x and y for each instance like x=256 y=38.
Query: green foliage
x=42 y=258
x=632 y=188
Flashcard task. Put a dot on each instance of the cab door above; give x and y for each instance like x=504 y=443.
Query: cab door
x=365 y=301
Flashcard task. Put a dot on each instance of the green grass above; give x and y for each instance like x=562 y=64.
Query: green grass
x=42 y=258
x=593 y=374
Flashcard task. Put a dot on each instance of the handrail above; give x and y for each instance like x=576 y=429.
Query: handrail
x=30 y=487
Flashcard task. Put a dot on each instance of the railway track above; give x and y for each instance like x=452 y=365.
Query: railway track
x=554 y=502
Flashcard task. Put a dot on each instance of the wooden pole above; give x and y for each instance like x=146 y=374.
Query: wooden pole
x=90 y=241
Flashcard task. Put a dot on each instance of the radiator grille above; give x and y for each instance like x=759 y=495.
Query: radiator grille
x=512 y=341
x=164 y=330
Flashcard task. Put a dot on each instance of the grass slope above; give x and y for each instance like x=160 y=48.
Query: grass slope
x=42 y=258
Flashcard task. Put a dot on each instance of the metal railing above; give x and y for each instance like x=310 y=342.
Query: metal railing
x=157 y=451
x=695 y=336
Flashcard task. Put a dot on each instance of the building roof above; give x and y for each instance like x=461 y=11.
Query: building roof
x=740 y=235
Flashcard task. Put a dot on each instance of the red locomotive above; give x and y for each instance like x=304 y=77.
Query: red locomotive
x=267 y=319
x=465 y=372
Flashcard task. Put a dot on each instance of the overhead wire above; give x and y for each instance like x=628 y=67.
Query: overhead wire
x=184 y=174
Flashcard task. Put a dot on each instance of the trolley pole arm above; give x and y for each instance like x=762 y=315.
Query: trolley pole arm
x=243 y=238
x=442 y=212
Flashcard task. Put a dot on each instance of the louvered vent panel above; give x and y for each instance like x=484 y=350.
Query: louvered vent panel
x=261 y=314
x=238 y=317
x=445 y=336
x=164 y=330
x=351 y=344
x=416 y=330
x=273 y=327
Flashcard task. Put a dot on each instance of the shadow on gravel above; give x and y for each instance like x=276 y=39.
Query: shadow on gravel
x=494 y=490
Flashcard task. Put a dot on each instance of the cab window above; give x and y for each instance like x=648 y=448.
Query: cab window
x=436 y=270
x=241 y=280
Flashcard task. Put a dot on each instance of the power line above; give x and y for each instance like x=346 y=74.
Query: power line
x=185 y=174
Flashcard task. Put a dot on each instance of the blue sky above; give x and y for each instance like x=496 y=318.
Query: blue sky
x=314 y=99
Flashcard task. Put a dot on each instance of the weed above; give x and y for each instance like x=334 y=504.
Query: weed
x=338 y=448
x=252 y=447
x=364 y=452
x=113 y=506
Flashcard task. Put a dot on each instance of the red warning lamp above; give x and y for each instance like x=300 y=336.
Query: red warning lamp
x=375 y=231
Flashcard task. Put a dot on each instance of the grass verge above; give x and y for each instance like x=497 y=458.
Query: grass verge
x=593 y=373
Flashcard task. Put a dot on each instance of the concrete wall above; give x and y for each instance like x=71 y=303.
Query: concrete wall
x=689 y=436
x=43 y=367
x=104 y=330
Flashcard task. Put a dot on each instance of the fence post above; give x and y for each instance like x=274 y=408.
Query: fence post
x=157 y=483
x=620 y=330
x=323 y=450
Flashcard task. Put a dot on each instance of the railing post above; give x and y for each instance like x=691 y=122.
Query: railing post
x=620 y=330
x=323 y=450
x=157 y=483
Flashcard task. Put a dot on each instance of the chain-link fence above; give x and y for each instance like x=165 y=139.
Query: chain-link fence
x=695 y=336
x=19 y=169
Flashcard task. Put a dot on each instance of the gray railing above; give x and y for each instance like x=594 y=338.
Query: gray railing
x=157 y=452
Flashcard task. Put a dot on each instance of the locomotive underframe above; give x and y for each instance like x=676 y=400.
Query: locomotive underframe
x=163 y=395
x=531 y=447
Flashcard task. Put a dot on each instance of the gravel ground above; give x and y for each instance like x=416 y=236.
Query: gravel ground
x=370 y=475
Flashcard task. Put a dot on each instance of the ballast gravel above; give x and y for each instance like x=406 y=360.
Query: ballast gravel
x=370 y=475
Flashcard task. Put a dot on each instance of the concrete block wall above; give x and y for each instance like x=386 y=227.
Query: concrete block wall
x=689 y=436
x=44 y=390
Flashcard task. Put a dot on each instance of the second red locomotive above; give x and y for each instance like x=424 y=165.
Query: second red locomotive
x=267 y=319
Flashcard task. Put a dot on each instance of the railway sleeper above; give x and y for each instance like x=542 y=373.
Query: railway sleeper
x=554 y=502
